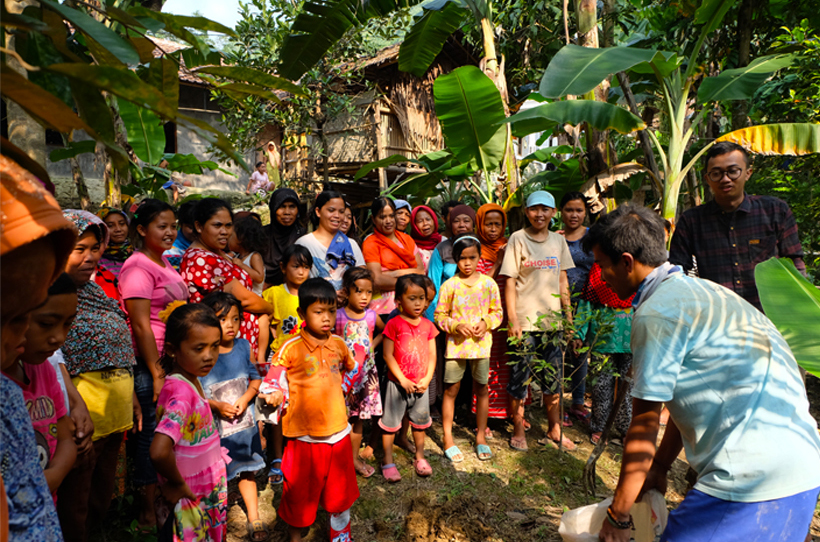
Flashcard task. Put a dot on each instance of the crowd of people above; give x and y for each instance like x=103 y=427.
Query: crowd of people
x=227 y=347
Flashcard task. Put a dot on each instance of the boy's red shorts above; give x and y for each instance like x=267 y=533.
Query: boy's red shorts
x=314 y=474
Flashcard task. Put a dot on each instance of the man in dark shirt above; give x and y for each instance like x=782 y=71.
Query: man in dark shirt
x=731 y=234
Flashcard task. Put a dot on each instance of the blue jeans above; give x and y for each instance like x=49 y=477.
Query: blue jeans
x=549 y=377
x=144 y=473
x=578 y=375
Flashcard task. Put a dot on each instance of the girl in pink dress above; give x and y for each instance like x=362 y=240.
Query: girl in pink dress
x=186 y=450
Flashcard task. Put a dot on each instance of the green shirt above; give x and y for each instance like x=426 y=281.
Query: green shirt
x=616 y=342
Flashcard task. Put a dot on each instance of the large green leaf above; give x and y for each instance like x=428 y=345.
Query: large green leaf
x=427 y=36
x=40 y=104
x=577 y=70
x=321 y=24
x=73 y=149
x=174 y=24
x=741 y=83
x=256 y=77
x=470 y=110
x=122 y=83
x=250 y=90
x=163 y=74
x=212 y=136
x=599 y=115
x=792 y=303
x=547 y=154
x=711 y=13
x=180 y=21
x=145 y=132
x=188 y=163
x=776 y=139
x=107 y=38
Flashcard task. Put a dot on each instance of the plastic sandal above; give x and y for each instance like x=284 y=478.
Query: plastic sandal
x=422 y=467
x=454 y=454
x=519 y=444
x=483 y=452
x=364 y=470
x=275 y=476
x=256 y=528
x=391 y=473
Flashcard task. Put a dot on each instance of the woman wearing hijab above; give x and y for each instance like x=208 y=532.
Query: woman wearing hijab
x=388 y=254
x=119 y=245
x=460 y=221
x=284 y=229
x=99 y=357
x=424 y=231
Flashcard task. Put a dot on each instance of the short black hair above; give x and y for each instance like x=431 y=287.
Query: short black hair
x=208 y=207
x=631 y=229
x=725 y=147
x=221 y=303
x=446 y=206
x=462 y=242
x=353 y=274
x=300 y=252
x=259 y=164
x=185 y=213
x=316 y=290
x=406 y=281
x=179 y=323
x=572 y=196
x=250 y=234
x=63 y=285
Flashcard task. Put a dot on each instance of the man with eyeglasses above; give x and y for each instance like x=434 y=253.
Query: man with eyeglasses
x=728 y=236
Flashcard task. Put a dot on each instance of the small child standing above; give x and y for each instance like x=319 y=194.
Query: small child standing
x=248 y=242
x=410 y=355
x=53 y=429
x=186 y=452
x=469 y=308
x=285 y=324
x=318 y=459
x=356 y=324
x=230 y=388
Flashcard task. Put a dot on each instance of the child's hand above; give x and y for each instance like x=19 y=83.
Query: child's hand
x=464 y=330
x=480 y=329
x=83 y=428
x=408 y=385
x=273 y=399
x=241 y=405
x=514 y=329
x=135 y=405
x=422 y=386
x=575 y=345
x=173 y=492
x=226 y=410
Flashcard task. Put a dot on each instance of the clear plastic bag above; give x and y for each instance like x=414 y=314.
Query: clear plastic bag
x=649 y=516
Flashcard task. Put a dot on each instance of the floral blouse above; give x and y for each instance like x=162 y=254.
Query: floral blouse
x=206 y=272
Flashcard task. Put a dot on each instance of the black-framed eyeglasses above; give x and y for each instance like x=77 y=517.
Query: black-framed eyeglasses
x=716 y=175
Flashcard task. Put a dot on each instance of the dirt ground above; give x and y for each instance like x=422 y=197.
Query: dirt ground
x=513 y=497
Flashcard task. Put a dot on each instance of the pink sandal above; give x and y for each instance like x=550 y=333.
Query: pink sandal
x=422 y=467
x=391 y=473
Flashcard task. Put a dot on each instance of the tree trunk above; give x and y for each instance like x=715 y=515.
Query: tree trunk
x=740 y=108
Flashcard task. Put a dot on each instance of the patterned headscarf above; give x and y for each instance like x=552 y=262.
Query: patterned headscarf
x=83 y=219
x=116 y=252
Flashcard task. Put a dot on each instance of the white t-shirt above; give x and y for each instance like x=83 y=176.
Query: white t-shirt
x=320 y=267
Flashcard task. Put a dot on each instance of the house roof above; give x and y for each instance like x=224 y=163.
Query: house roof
x=164 y=47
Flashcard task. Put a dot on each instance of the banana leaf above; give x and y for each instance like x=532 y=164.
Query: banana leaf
x=426 y=38
x=741 y=83
x=777 y=139
x=792 y=303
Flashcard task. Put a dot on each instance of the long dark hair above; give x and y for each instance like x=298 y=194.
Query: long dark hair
x=147 y=211
x=179 y=324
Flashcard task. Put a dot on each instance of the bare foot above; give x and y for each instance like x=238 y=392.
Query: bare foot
x=664 y=417
x=405 y=444
x=565 y=442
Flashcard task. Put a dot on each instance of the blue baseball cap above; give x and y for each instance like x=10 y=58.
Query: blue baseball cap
x=402 y=204
x=541 y=197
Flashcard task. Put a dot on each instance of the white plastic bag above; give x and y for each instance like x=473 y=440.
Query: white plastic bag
x=649 y=516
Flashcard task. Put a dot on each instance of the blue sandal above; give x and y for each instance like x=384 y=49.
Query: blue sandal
x=483 y=452
x=452 y=454
x=275 y=476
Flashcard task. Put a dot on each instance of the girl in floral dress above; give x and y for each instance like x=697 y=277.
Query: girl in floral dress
x=186 y=449
x=356 y=324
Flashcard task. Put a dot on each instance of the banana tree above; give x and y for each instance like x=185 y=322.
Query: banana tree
x=577 y=70
x=471 y=113
x=324 y=22
x=91 y=67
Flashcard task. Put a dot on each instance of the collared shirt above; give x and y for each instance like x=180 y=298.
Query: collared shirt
x=728 y=246
x=316 y=405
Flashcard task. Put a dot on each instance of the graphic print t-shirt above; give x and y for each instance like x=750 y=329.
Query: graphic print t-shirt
x=410 y=346
x=536 y=267
x=44 y=402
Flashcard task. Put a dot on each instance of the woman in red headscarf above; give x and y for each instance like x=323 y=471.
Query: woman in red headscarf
x=424 y=231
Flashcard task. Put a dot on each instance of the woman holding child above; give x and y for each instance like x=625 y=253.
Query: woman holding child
x=389 y=254
x=206 y=267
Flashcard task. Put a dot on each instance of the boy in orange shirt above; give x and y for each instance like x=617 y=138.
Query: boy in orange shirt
x=318 y=459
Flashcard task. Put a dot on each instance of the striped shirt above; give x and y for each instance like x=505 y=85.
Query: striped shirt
x=728 y=245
